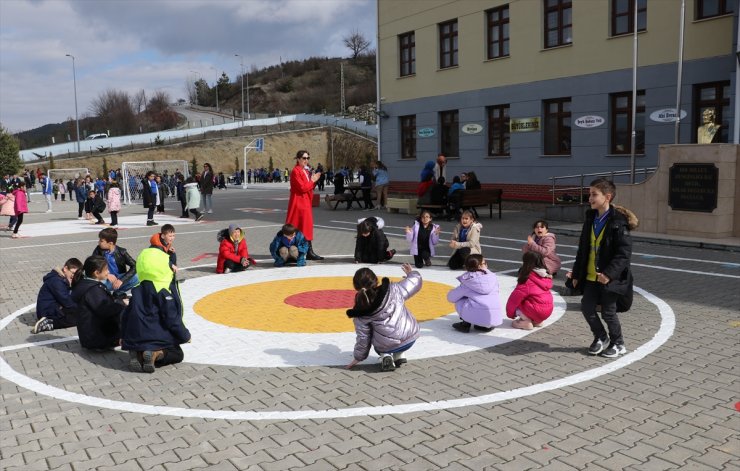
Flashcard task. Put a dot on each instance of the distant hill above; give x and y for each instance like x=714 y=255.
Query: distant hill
x=306 y=86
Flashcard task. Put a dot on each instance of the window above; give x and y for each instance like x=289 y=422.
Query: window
x=498 y=130
x=557 y=127
x=408 y=137
x=450 y=135
x=621 y=123
x=713 y=95
x=448 y=44
x=498 y=32
x=623 y=16
x=558 y=23
x=407 y=45
x=710 y=8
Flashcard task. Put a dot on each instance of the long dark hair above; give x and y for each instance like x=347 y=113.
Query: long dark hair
x=366 y=283
x=366 y=226
x=530 y=261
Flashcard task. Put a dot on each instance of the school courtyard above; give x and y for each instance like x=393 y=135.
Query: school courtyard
x=263 y=384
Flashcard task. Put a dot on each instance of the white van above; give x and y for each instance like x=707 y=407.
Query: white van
x=96 y=136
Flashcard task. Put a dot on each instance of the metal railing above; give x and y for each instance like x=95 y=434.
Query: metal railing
x=581 y=178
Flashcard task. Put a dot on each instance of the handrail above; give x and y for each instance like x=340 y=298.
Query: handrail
x=613 y=173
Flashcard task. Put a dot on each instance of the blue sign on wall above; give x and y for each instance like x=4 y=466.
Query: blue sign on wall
x=425 y=132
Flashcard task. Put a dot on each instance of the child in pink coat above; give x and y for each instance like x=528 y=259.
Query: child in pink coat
x=7 y=208
x=21 y=206
x=114 y=202
x=543 y=242
x=530 y=304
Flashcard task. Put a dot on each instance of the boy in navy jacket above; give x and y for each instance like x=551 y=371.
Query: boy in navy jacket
x=55 y=308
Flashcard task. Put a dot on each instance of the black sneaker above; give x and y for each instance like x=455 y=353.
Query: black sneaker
x=43 y=325
x=135 y=361
x=598 y=346
x=199 y=217
x=387 y=364
x=614 y=350
x=151 y=223
x=483 y=329
x=462 y=326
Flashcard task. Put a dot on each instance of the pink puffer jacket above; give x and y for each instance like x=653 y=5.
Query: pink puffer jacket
x=21 y=203
x=114 y=199
x=7 y=205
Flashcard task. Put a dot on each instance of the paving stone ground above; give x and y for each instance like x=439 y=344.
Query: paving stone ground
x=676 y=408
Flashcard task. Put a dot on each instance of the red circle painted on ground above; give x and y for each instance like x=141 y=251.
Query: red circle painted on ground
x=323 y=299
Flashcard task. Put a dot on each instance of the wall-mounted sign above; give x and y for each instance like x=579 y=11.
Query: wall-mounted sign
x=524 y=124
x=589 y=121
x=693 y=187
x=666 y=115
x=472 y=128
x=425 y=132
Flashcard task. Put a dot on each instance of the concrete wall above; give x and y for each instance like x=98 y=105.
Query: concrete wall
x=649 y=199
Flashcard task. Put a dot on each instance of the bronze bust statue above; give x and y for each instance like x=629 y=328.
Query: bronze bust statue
x=708 y=130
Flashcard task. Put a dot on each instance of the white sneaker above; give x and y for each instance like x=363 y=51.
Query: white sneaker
x=210 y=211
x=48 y=210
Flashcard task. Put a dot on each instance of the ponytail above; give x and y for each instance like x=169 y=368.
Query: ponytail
x=366 y=284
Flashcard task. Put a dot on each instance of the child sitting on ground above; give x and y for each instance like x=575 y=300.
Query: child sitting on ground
x=54 y=306
x=476 y=299
x=163 y=241
x=98 y=312
x=372 y=244
x=94 y=205
x=422 y=239
x=381 y=318
x=465 y=240
x=530 y=304
x=543 y=242
x=121 y=266
x=233 y=254
x=151 y=327
x=289 y=246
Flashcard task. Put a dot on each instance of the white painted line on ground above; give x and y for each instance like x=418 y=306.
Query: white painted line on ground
x=664 y=332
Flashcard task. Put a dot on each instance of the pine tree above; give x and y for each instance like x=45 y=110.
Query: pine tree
x=10 y=159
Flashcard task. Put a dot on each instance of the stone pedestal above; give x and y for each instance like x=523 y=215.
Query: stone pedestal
x=650 y=199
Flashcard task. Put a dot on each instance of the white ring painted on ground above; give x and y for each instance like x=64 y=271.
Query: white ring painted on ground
x=665 y=331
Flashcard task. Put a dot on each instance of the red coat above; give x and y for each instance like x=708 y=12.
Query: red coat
x=227 y=251
x=300 y=213
x=532 y=297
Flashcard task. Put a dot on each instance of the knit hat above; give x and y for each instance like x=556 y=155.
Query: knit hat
x=233 y=228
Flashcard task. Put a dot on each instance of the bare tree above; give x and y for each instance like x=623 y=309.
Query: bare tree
x=357 y=43
x=139 y=101
x=159 y=115
x=115 y=112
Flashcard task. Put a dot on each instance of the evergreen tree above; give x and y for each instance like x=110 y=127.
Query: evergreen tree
x=10 y=159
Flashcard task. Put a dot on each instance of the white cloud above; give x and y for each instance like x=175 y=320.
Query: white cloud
x=135 y=44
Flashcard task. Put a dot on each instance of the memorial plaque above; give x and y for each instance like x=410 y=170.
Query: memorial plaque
x=693 y=187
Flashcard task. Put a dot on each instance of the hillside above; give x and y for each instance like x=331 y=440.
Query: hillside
x=307 y=86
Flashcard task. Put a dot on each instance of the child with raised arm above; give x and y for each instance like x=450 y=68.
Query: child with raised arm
x=381 y=317
x=465 y=240
x=602 y=266
x=422 y=238
x=542 y=241
x=476 y=299
x=530 y=304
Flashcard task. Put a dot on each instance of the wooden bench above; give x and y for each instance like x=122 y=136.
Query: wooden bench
x=481 y=198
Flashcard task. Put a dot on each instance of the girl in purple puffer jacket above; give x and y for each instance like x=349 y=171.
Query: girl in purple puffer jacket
x=476 y=299
x=422 y=238
x=381 y=318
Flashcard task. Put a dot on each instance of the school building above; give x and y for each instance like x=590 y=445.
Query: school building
x=522 y=90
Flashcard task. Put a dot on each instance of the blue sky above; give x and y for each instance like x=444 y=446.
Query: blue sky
x=153 y=45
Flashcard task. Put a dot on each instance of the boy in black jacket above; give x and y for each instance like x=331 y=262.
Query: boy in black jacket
x=602 y=266
x=55 y=308
x=121 y=265
x=95 y=205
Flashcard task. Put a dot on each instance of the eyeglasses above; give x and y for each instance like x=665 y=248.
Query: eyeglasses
x=305 y=158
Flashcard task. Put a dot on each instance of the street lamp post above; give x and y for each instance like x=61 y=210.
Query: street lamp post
x=216 y=87
x=241 y=62
x=77 y=119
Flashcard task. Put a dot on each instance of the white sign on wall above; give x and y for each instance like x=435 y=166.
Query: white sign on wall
x=590 y=121
x=472 y=128
x=666 y=115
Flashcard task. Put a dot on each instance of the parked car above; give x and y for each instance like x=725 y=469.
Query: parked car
x=96 y=136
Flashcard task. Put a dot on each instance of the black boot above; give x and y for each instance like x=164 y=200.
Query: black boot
x=311 y=255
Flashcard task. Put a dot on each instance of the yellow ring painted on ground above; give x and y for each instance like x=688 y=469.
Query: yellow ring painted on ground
x=261 y=306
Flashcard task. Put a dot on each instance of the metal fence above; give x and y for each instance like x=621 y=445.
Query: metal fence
x=568 y=183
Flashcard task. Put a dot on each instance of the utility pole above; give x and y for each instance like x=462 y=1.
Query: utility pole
x=77 y=119
x=241 y=61
x=341 y=87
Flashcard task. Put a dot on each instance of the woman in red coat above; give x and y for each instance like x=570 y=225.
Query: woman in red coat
x=300 y=212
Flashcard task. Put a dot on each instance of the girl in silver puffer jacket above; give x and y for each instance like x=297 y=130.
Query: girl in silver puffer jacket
x=381 y=318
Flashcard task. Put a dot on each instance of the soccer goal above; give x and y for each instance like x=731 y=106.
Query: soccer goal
x=67 y=174
x=133 y=174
